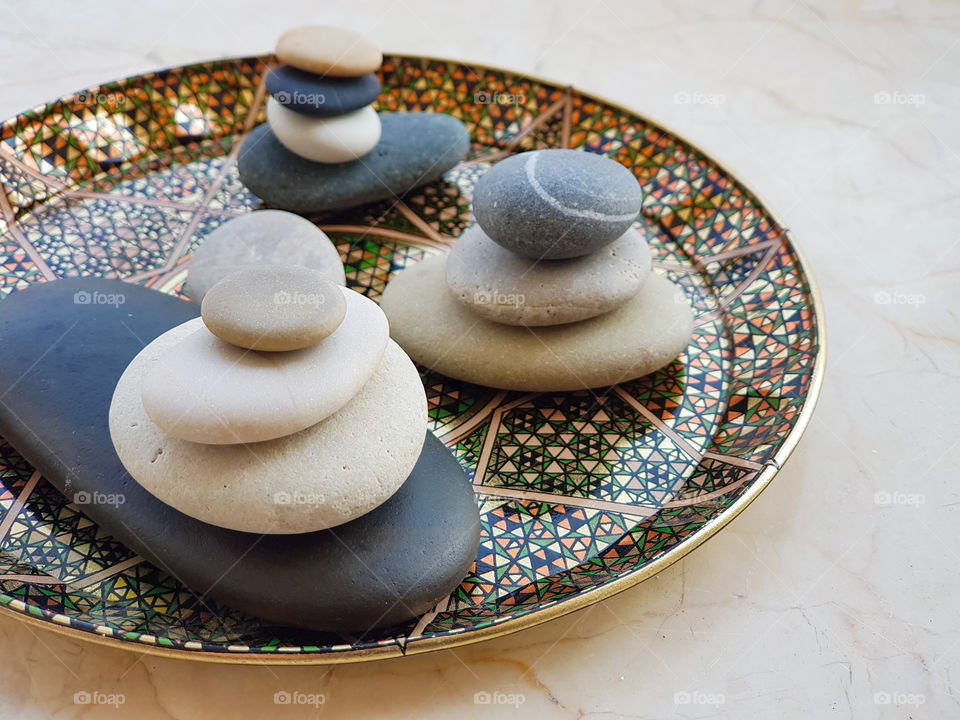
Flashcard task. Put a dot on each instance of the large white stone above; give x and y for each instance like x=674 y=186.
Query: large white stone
x=336 y=139
x=500 y=285
x=208 y=391
x=641 y=336
x=330 y=473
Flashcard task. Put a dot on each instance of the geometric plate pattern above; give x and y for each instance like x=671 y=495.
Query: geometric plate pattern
x=581 y=494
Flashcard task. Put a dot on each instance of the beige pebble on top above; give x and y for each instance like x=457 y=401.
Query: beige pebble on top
x=274 y=307
x=326 y=50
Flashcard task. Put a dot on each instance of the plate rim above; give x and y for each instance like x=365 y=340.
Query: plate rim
x=584 y=598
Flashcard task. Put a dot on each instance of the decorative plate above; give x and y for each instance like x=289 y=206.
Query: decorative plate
x=581 y=494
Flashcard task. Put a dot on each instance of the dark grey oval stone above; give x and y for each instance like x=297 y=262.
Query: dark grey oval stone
x=555 y=204
x=414 y=149
x=318 y=95
x=67 y=342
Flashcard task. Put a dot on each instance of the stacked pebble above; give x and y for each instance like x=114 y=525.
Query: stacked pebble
x=320 y=99
x=264 y=237
x=324 y=147
x=551 y=290
x=256 y=416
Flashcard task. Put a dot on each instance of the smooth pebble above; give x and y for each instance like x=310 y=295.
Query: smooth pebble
x=327 y=50
x=500 y=285
x=641 y=336
x=263 y=237
x=319 y=96
x=390 y=565
x=331 y=140
x=556 y=204
x=207 y=391
x=274 y=307
x=414 y=149
x=330 y=473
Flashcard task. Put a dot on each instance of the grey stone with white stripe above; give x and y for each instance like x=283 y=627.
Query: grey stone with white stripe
x=555 y=204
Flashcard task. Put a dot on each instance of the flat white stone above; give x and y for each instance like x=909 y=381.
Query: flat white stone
x=336 y=139
x=641 y=336
x=500 y=285
x=208 y=391
x=330 y=473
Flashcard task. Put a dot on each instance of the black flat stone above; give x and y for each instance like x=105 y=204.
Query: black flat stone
x=414 y=149
x=61 y=360
x=319 y=96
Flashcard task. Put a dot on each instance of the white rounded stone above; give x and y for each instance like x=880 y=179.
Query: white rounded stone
x=332 y=472
x=336 y=139
x=641 y=336
x=500 y=285
x=208 y=391
x=263 y=237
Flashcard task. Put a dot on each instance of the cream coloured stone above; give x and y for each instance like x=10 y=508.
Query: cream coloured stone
x=263 y=237
x=637 y=338
x=208 y=391
x=330 y=473
x=336 y=139
x=274 y=307
x=505 y=287
x=327 y=50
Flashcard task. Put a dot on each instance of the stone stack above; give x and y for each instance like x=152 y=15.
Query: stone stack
x=551 y=290
x=324 y=146
x=320 y=99
x=60 y=407
x=258 y=415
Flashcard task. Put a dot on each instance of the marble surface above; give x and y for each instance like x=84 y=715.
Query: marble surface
x=835 y=594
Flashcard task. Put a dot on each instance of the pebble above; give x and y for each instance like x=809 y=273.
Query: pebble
x=263 y=237
x=318 y=96
x=556 y=204
x=338 y=139
x=384 y=568
x=274 y=307
x=207 y=391
x=641 y=336
x=326 y=475
x=502 y=286
x=414 y=149
x=326 y=50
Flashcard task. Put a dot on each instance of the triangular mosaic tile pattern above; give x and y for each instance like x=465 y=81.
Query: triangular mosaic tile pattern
x=577 y=491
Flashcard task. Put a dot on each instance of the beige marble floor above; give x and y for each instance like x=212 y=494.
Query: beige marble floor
x=820 y=600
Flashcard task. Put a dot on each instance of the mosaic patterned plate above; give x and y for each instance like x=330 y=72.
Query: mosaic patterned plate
x=581 y=494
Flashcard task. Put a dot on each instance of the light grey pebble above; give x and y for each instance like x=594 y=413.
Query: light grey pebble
x=502 y=286
x=263 y=237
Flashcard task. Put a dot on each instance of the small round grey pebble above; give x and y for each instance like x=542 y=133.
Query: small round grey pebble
x=273 y=308
x=264 y=237
x=320 y=96
x=555 y=204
